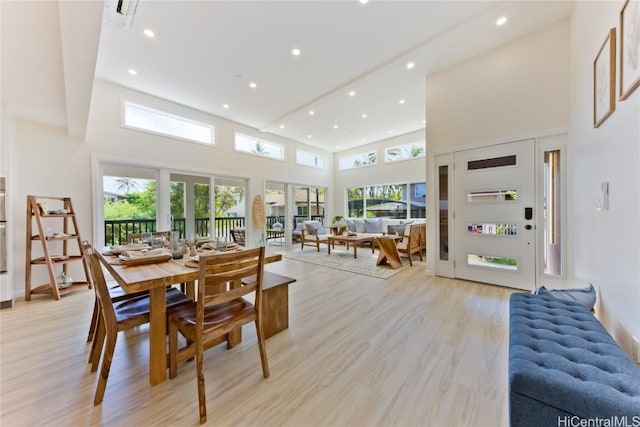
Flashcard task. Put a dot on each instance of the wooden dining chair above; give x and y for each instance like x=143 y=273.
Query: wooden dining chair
x=116 y=317
x=116 y=293
x=220 y=308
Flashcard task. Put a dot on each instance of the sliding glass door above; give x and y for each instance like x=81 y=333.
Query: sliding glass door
x=190 y=205
x=133 y=199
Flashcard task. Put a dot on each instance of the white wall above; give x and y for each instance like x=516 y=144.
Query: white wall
x=512 y=92
x=47 y=163
x=605 y=245
x=399 y=172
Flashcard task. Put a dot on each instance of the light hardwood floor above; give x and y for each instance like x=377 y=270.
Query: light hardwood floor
x=412 y=350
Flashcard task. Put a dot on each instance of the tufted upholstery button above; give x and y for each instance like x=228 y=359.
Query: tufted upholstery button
x=562 y=359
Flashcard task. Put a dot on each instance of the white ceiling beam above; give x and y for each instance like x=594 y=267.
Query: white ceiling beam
x=80 y=27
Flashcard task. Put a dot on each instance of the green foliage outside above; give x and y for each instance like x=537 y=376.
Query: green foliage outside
x=226 y=198
x=138 y=204
x=502 y=261
x=142 y=204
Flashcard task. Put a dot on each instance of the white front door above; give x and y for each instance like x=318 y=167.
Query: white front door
x=494 y=215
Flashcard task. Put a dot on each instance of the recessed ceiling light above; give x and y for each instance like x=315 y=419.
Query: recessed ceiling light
x=364 y=116
x=309 y=136
x=410 y=65
x=295 y=51
x=225 y=106
x=311 y=112
x=401 y=101
x=424 y=122
x=352 y=93
x=501 y=21
x=335 y=126
x=253 y=85
x=133 y=72
x=337 y=146
x=281 y=126
x=363 y=139
x=389 y=132
x=149 y=33
x=363 y=1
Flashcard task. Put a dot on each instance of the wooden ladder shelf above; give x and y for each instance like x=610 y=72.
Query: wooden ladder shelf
x=38 y=213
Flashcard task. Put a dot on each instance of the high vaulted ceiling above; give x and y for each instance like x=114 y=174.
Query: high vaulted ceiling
x=205 y=54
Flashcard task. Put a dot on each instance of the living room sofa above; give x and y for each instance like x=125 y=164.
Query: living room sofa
x=565 y=368
x=379 y=226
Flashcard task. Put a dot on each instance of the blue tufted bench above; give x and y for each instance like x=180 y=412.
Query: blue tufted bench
x=564 y=364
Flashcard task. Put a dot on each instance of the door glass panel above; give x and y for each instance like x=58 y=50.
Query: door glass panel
x=275 y=203
x=230 y=207
x=129 y=202
x=552 y=213
x=443 y=217
x=499 y=263
x=202 y=209
x=418 y=202
x=176 y=198
x=493 y=229
x=494 y=162
x=190 y=205
x=492 y=196
x=309 y=204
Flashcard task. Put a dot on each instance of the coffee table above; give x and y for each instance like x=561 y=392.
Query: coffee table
x=356 y=240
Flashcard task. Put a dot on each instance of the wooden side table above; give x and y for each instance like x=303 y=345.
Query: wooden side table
x=389 y=255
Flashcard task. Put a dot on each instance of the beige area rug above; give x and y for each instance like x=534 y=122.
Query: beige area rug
x=342 y=259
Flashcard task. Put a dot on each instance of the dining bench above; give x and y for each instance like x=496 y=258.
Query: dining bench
x=275 y=302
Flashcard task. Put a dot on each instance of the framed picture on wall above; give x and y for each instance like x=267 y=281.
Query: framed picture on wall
x=604 y=80
x=629 y=48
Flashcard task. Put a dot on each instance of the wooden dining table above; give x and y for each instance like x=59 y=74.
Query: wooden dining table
x=155 y=278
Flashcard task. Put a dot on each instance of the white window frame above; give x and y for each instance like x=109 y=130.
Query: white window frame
x=257 y=141
x=319 y=162
x=207 y=128
x=349 y=162
x=406 y=151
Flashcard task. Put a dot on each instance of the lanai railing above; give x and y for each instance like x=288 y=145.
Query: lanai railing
x=116 y=231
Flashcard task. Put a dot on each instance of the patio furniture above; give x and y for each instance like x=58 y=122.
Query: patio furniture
x=412 y=241
x=313 y=233
x=238 y=235
x=296 y=234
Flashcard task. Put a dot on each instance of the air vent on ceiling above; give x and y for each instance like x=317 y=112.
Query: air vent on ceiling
x=119 y=13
